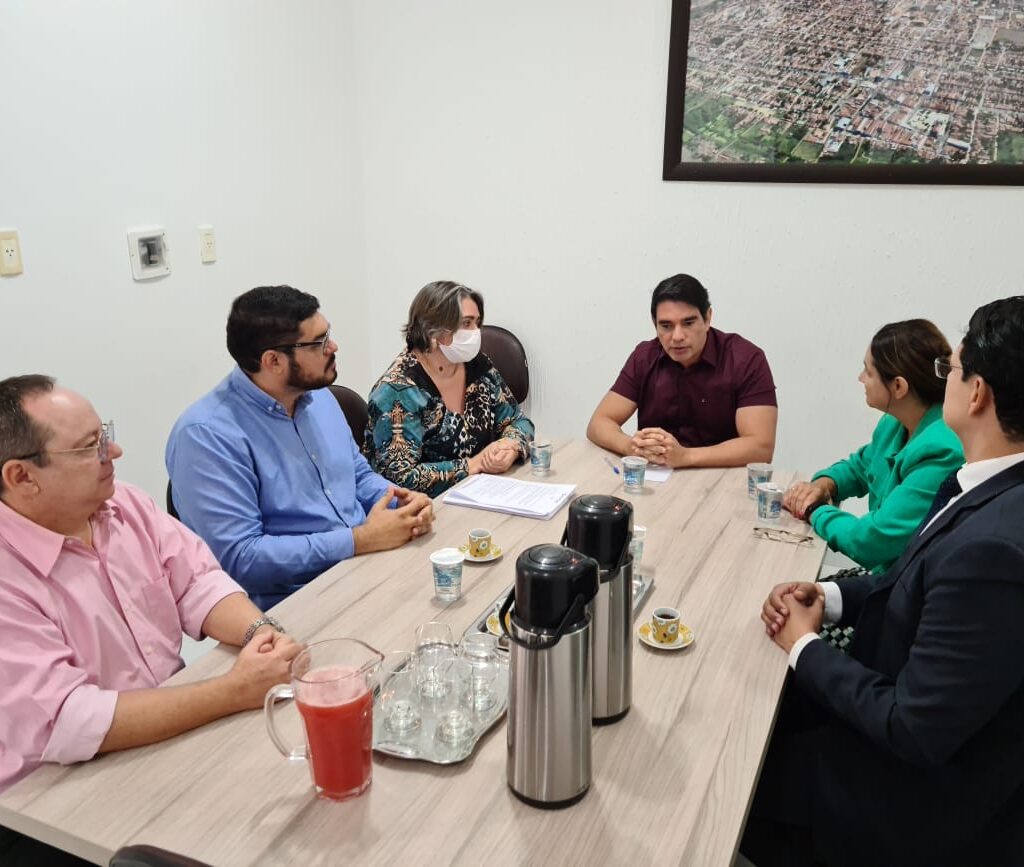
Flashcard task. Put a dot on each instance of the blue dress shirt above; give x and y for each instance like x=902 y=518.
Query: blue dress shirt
x=275 y=496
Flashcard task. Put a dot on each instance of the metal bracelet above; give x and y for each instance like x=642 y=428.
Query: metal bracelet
x=265 y=620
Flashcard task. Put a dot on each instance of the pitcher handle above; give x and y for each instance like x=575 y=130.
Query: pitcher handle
x=281 y=691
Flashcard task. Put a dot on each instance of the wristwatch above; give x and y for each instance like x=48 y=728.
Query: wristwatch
x=810 y=510
x=265 y=620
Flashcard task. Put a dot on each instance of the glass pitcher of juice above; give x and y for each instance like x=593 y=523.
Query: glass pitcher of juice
x=332 y=684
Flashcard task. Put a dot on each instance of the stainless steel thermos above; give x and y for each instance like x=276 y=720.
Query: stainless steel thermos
x=549 y=704
x=601 y=527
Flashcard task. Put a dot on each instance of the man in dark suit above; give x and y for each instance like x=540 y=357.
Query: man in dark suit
x=910 y=750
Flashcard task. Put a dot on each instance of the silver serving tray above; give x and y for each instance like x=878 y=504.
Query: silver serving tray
x=423 y=744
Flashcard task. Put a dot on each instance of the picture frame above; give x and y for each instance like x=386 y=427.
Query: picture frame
x=861 y=91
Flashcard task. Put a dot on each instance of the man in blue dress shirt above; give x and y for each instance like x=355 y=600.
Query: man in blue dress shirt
x=265 y=468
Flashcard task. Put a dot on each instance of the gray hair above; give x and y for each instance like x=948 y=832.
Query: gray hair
x=437 y=308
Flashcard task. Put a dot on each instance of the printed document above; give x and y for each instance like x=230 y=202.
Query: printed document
x=511 y=496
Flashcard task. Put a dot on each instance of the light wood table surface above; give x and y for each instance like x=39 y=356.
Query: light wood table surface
x=671 y=782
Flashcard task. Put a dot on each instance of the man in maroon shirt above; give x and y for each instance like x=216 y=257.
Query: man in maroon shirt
x=704 y=398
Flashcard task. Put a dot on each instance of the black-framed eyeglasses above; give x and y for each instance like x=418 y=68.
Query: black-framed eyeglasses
x=307 y=344
x=943 y=368
x=102 y=447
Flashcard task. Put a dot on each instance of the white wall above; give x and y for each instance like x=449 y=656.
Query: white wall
x=517 y=147
x=359 y=149
x=120 y=114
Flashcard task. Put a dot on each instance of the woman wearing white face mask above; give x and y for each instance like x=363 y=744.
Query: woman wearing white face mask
x=442 y=411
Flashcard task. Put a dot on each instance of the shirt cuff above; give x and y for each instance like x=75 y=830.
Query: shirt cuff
x=202 y=597
x=82 y=724
x=798 y=647
x=833 y=601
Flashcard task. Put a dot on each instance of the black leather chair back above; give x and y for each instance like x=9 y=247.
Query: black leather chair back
x=354 y=407
x=504 y=349
x=170 y=503
x=151 y=856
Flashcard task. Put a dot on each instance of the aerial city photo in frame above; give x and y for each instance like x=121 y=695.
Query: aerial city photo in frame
x=865 y=91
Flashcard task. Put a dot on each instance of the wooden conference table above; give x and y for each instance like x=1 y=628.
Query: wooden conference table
x=671 y=782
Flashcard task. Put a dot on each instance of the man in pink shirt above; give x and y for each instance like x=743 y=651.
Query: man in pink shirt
x=97 y=585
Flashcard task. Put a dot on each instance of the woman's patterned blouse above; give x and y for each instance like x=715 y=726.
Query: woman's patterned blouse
x=414 y=440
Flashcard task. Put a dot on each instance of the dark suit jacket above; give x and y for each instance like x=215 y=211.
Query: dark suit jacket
x=924 y=760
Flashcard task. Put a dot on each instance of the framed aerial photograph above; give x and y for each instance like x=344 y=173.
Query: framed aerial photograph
x=864 y=91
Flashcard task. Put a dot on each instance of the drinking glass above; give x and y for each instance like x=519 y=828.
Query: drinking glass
x=454 y=722
x=480 y=653
x=399 y=702
x=435 y=647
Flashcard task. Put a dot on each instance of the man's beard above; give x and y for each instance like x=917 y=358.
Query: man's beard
x=302 y=381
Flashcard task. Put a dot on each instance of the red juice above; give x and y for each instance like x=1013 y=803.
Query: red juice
x=337 y=711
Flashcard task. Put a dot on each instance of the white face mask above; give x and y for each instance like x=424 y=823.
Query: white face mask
x=465 y=345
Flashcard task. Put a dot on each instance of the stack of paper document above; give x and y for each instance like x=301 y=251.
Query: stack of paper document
x=511 y=496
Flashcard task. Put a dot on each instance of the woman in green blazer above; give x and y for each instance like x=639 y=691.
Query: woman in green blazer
x=910 y=453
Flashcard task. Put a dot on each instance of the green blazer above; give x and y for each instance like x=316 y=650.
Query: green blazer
x=900 y=478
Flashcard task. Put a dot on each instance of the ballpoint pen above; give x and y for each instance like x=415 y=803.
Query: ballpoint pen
x=608 y=461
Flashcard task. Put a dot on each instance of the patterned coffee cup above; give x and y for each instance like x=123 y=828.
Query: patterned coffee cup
x=665 y=625
x=479 y=542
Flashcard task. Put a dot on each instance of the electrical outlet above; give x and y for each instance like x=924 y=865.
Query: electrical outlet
x=207 y=244
x=10 y=253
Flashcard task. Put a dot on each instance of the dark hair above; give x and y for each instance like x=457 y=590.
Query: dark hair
x=909 y=349
x=993 y=348
x=436 y=308
x=19 y=434
x=265 y=318
x=684 y=289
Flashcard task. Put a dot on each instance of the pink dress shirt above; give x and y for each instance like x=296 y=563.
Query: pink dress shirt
x=80 y=624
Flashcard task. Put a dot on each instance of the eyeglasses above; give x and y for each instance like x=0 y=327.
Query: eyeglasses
x=102 y=447
x=943 y=368
x=320 y=341
x=775 y=535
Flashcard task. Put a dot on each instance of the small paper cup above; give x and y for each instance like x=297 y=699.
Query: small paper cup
x=769 y=501
x=756 y=474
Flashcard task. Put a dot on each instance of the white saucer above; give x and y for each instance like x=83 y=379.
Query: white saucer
x=684 y=639
x=494 y=554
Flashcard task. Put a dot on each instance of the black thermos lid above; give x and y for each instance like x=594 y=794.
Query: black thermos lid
x=548 y=580
x=600 y=527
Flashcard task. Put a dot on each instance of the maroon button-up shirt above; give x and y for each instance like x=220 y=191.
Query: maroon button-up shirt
x=697 y=404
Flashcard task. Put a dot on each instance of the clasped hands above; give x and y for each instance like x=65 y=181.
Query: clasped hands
x=388 y=527
x=801 y=496
x=658 y=446
x=495 y=458
x=792 y=610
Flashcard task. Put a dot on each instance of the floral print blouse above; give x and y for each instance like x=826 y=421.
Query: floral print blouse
x=414 y=440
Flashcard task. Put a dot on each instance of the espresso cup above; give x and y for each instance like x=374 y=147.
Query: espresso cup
x=479 y=543
x=665 y=625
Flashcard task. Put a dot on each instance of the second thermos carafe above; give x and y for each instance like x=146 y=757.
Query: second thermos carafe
x=600 y=527
x=549 y=705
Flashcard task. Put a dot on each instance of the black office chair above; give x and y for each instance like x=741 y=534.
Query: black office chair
x=170 y=503
x=504 y=349
x=354 y=407
x=151 y=856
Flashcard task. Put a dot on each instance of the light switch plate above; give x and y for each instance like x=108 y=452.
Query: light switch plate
x=10 y=253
